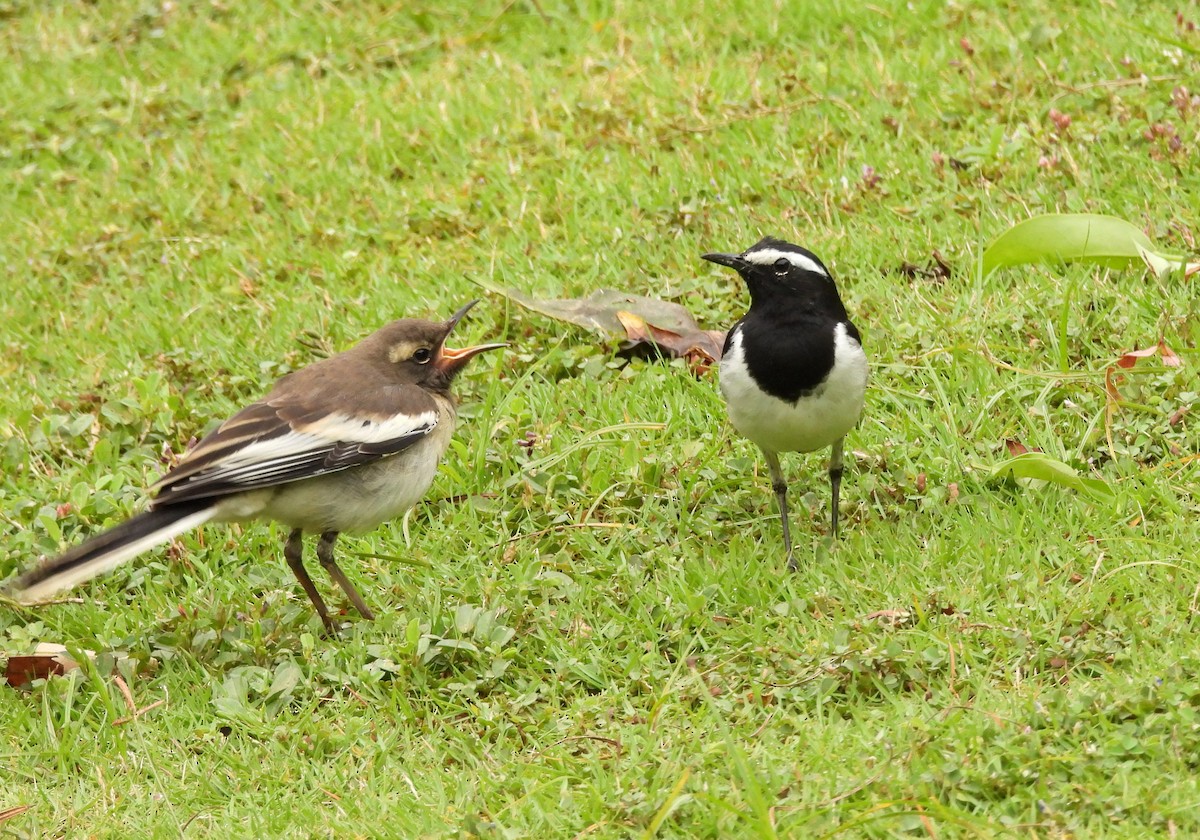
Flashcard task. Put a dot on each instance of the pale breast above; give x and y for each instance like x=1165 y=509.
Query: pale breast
x=811 y=422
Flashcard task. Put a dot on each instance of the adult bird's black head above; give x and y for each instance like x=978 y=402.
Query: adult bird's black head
x=778 y=273
x=788 y=336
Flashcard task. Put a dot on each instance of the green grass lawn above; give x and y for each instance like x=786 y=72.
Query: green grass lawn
x=588 y=629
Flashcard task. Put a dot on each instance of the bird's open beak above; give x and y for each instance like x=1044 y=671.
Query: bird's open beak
x=458 y=316
x=451 y=361
x=733 y=261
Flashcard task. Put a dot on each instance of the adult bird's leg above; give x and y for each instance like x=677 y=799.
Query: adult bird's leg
x=779 y=483
x=325 y=555
x=835 y=479
x=293 y=550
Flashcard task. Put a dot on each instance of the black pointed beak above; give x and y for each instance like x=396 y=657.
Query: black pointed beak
x=451 y=361
x=458 y=316
x=733 y=261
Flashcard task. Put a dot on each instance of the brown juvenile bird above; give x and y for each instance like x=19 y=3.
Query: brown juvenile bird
x=341 y=445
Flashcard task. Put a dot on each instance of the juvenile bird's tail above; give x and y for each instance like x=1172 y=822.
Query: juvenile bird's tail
x=108 y=550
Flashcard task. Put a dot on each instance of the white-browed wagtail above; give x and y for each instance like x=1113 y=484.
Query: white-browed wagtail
x=793 y=372
x=344 y=444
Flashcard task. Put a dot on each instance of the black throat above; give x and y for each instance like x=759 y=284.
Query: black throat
x=789 y=354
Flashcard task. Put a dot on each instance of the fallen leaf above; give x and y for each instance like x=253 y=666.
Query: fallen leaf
x=1162 y=264
x=1041 y=467
x=644 y=324
x=702 y=348
x=47 y=660
x=1015 y=447
x=1110 y=384
x=1169 y=356
x=1130 y=359
x=1079 y=237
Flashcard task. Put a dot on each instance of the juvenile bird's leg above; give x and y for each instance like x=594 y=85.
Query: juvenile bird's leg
x=835 y=479
x=779 y=483
x=293 y=550
x=325 y=555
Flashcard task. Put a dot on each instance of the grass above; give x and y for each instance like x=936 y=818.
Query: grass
x=596 y=635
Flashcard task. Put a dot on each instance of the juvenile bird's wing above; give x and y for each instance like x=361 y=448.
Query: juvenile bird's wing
x=289 y=437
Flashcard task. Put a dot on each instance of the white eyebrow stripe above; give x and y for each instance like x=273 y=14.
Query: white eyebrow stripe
x=767 y=256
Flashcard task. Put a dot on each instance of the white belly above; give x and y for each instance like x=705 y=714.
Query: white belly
x=811 y=422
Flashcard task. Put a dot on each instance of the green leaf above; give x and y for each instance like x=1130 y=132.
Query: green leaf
x=287 y=676
x=412 y=634
x=1080 y=237
x=465 y=617
x=1059 y=238
x=1042 y=467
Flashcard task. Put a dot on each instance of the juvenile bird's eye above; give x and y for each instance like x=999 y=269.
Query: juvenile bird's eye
x=422 y=355
x=782 y=265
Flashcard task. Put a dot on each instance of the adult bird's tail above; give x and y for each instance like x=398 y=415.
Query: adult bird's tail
x=108 y=550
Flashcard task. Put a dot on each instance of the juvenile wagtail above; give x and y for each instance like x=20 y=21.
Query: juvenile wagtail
x=341 y=445
x=793 y=373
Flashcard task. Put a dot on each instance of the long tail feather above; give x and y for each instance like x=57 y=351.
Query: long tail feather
x=108 y=550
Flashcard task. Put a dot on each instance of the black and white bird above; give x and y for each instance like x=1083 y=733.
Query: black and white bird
x=793 y=372
x=344 y=444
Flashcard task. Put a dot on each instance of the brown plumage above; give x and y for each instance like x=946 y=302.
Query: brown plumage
x=341 y=445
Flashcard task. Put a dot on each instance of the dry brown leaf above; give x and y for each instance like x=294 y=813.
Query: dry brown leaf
x=645 y=325
x=47 y=660
x=1169 y=357
x=702 y=348
x=1110 y=384
x=1130 y=359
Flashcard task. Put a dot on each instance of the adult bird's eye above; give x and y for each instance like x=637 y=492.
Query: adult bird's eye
x=422 y=355
x=782 y=265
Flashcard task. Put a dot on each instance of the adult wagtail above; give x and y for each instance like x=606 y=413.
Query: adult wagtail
x=793 y=372
x=341 y=445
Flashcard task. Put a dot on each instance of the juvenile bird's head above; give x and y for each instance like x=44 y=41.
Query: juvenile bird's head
x=414 y=351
